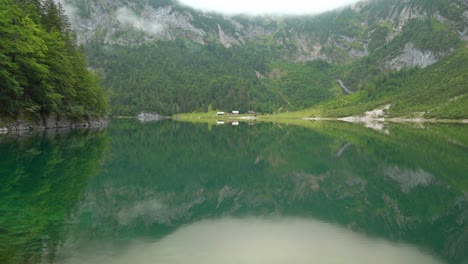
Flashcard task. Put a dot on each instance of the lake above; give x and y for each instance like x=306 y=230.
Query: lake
x=174 y=192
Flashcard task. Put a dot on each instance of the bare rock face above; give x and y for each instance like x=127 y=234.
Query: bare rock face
x=226 y=40
x=412 y=57
x=129 y=23
x=464 y=33
x=399 y=19
x=108 y=20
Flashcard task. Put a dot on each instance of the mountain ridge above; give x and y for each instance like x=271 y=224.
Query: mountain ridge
x=360 y=42
x=167 y=20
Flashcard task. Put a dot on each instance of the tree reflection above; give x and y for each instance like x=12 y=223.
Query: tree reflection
x=43 y=177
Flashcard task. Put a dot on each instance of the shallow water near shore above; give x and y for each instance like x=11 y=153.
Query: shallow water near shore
x=174 y=192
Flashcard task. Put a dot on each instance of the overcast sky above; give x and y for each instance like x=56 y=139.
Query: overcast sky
x=259 y=7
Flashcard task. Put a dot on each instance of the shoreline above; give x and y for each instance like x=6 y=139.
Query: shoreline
x=358 y=119
x=52 y=122
x=349 y=119
x=379 y=115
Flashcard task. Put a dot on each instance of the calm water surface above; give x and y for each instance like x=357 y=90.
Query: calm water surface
x=172 y=192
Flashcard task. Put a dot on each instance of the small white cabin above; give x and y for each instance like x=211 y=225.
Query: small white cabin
x=219 y=113
x=235 y=112
x=235 y=123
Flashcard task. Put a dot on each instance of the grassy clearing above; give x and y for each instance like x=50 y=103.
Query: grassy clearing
x=212 y=116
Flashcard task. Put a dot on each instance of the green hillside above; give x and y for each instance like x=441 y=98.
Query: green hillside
x=438 y=91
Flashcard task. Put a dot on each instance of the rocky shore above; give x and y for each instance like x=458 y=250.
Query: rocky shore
x=48 y=123
x=144 y=117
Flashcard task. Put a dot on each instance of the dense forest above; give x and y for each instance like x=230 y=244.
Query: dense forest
x=180 y=76
x=42 y=71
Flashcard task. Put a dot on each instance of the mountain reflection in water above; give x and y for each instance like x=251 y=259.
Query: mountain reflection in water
x=173 y=192
x=256 y=240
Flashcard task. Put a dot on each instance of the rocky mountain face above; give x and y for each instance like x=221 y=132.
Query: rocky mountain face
x=339 y=36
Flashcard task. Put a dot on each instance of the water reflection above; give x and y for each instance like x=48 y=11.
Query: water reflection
x=256 y=241
x=159 y=177
x=43 y=176
x=158 y=182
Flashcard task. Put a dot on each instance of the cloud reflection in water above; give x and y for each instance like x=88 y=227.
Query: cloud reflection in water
x=258 y=241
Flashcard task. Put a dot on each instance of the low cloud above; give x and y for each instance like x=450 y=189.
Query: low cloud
x=260 y=7
x=71 y=11
x=127 y=17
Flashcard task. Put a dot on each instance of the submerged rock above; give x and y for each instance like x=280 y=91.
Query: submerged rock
x=149 y=117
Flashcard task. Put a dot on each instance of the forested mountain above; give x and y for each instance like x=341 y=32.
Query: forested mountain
x=42 y=71
x=157 y=55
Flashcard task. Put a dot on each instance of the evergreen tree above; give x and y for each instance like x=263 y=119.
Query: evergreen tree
x=41 y=70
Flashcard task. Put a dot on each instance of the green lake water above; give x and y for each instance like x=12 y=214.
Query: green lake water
x=174 y=192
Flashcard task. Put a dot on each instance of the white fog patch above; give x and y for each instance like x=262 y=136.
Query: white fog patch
x=71 y=11
x=255 y=241
x=259 y=7
x=127 y=17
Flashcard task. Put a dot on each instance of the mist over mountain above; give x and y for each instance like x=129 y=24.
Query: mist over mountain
x=162 y=56
x=266 y=7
